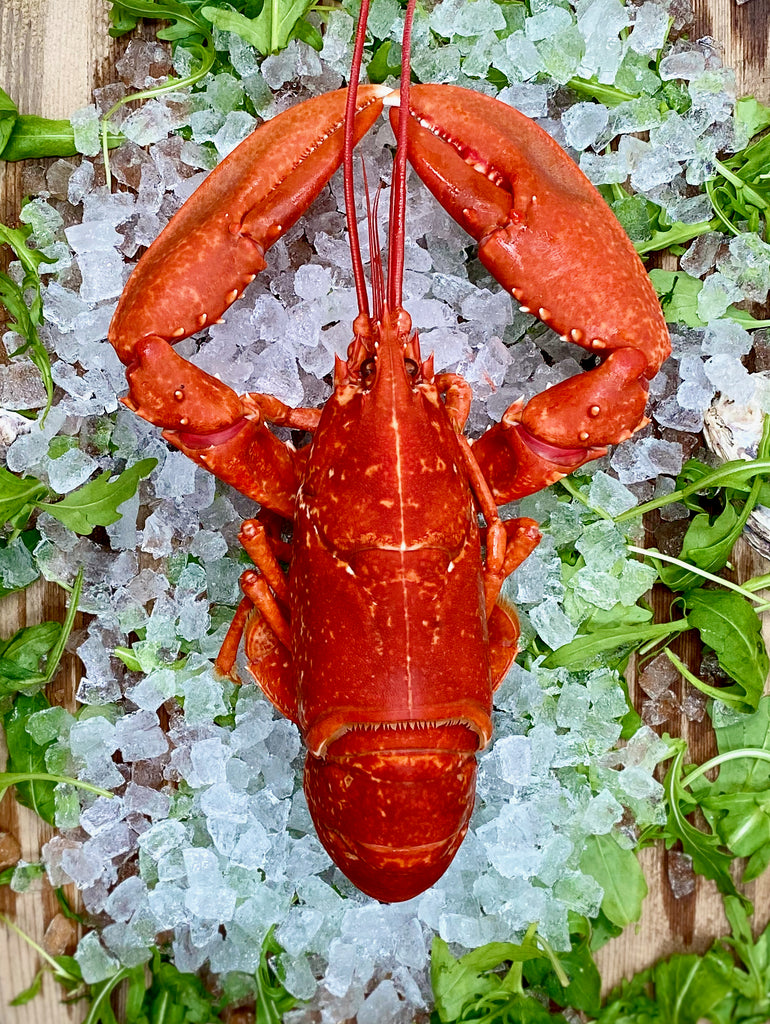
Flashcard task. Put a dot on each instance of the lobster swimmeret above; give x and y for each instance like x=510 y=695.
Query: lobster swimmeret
x=386 y=639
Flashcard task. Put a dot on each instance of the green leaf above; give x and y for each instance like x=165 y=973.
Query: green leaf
x=460 y=983
x=34 y=138
x=678 y=293
x=18 y=494
x=737 y=803
x=585 y=649
x=26 y=317
x=618 y=872
x=705 y=848
x=309 y=34
x=24 y=755
x=96 y=503
x=707 y=544
x=9 y=112
x=269 y=31
x=29 y=993
x=752 y=113
x=688 y=986
x=20 y=656
x=584 y=989
x=729 y=625
x=379 y=68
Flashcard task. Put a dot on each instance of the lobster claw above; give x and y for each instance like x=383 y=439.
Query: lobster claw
x=544 y=231
x=547 y=236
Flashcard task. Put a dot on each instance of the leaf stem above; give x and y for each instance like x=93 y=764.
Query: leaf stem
x=11 y=778
x=653 y=554
x=56 y=653
x=207 y=56
x=726 y=696
x=720 y=477
x=57 y=967
x=731 y=755
x=576 y=493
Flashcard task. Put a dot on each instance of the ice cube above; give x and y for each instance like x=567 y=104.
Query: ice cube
x=650 y=29
x=95 y=963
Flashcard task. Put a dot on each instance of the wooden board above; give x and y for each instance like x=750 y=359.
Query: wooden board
x=51 y=56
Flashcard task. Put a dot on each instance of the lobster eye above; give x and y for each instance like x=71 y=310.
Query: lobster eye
x=411 y=367
x=368 y=368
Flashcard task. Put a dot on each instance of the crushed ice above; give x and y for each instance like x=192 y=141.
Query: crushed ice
x=210 y=839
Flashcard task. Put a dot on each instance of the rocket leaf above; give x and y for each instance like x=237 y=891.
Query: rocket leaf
x=729 y=625
x=268 y=32
x=26 y=756
x=97 y=502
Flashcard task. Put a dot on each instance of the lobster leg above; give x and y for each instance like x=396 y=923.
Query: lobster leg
x=547 y=235
x=202 y=261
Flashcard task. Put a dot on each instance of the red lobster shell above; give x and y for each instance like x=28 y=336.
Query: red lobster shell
x=386 y=639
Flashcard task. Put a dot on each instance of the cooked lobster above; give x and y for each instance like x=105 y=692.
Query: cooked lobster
x=385 y=639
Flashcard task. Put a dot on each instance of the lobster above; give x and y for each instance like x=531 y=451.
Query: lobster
x=386 y=638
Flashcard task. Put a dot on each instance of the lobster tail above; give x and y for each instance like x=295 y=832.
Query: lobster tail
x=392 y=819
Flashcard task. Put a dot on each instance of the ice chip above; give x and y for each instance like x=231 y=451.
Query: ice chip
x=95 y=963
x=584 y=123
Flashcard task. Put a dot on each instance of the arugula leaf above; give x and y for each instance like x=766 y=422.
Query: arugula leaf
x=678 y=293
x=737 y=804
x=26 y=318
x=729 y=625
x=708 y=544
x=34 y=138
x=96 y=503
x=585 y=648
x=584 y=989
x=9 y=112
x=29 y=993
x=17 y=496
x=273 y=1001
x=708 y=858
x=457 y=983
x=752 y=113
x=20 y=656
x=26 y=756
x=270 y=31
x=125 y=15
x=618 y=872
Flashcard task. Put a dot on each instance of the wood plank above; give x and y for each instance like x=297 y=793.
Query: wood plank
x=51 y=55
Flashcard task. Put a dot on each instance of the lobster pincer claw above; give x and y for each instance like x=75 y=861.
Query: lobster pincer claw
x=171 y=392
x=515 y=463
x=215 y=245
x=544 y=231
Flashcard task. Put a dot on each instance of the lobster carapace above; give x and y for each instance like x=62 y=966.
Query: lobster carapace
x=385 y=639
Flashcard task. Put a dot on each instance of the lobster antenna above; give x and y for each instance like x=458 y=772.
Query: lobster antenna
x=398 y=186
x=347 y=159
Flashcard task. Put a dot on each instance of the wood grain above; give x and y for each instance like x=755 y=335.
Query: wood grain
x=51 y=56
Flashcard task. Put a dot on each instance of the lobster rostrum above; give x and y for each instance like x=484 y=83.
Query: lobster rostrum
x=386 y=639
